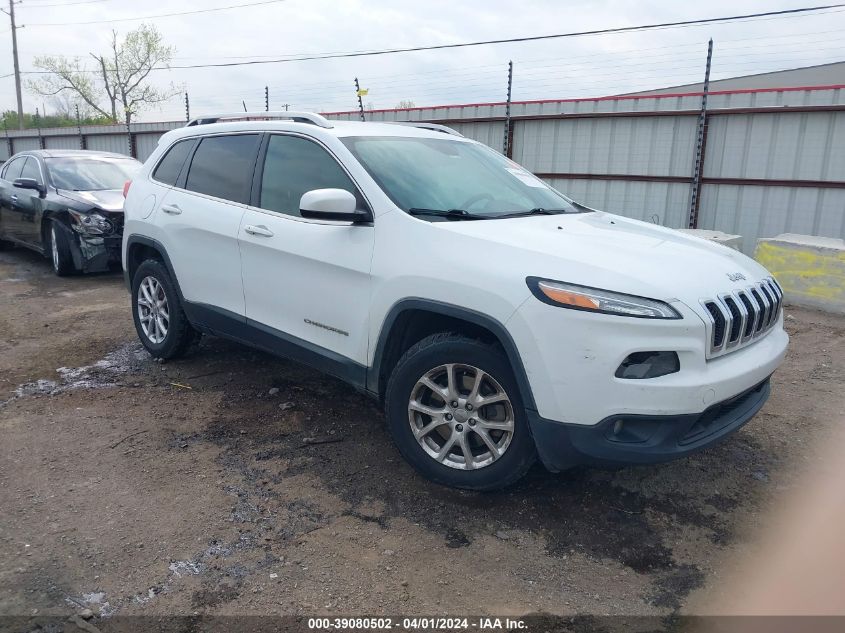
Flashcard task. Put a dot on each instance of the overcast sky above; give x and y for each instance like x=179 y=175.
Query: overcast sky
x=576 y=67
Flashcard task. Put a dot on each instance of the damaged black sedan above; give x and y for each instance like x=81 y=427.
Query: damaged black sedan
x=66 y=205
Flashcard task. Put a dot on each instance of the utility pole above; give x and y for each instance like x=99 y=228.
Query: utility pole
x=286 y=106
x=700 y=145
x=266 y=99
x=507 y=144
x=11 y=14
x=360 y=102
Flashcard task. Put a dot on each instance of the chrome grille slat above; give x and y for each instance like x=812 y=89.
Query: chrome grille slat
x=738 y=318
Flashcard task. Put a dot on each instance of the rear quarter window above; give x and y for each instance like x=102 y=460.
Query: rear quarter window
x=223 y=167
x=168 y=170
x=12 y=169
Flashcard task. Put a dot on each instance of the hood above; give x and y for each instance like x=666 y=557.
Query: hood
x=107 y=199
x=616 y=253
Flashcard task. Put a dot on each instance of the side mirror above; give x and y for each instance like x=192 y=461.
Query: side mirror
x=30 y=183
x=332 y=204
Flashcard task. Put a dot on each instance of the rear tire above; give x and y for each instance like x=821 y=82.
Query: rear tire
x=436 y=413
x=59 y=250
x=159 y=319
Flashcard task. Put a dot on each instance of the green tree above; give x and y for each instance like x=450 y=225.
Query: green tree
x=9 y=120
x=117 y=86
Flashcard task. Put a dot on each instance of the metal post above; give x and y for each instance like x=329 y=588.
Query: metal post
x=79 y=129
x=130 y=137
x=38 y=127
x=244 y=102
x=506 y=146
x=9 y=147
x=266 y=99
x=700 y=145
x=15 y=62
x=187 y=108
x=360 y=102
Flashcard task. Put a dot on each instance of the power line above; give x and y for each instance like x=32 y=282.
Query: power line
x=534 y=38
x=160 y=15
x=60 y=4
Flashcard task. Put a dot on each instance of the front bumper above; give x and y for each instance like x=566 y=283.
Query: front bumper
x=643 y=439
x=93 y=253
x=571 y=356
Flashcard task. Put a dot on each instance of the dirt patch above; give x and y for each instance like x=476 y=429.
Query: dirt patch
x=232 y=482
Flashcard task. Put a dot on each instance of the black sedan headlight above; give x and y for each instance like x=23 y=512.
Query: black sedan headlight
x=91 y=223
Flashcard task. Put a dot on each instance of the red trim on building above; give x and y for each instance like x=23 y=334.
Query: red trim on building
x=672 y=95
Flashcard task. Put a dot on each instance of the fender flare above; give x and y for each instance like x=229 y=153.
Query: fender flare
x=466 y=314
x=158 y=247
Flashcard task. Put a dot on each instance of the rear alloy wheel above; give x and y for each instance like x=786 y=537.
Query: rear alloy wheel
x=157 y=312
x=456 y=414
x=153 y=311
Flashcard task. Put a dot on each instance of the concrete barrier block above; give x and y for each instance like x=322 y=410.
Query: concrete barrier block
x=811 y=270
x=726 y=239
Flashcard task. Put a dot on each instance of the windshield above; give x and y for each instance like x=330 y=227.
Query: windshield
x=91 y=174
x=426 y=176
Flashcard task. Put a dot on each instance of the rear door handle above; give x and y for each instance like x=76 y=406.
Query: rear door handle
x=14 y=198
x=261 y=230
x=172 y=209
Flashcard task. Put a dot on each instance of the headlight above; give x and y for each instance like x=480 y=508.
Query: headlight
x=575 y=297
x=90 y=223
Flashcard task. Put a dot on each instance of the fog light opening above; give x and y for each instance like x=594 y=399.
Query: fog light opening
x=618 y=426
x=642 y=365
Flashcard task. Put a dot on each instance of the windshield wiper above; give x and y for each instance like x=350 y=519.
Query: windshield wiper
x=535 y=211
x=454 y=214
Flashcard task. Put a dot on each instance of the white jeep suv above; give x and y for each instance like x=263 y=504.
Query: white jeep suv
x=497 y=320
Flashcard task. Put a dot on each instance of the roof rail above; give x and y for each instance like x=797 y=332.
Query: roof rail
x=428 y=126
x=285 y=115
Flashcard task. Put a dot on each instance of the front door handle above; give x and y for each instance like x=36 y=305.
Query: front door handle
x=261 y=230
x=172 y=209
x=14 y=198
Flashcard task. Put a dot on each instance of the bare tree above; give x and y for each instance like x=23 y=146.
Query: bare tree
x=405 y=104
x=118 y=83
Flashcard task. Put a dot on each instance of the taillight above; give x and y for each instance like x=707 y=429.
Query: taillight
x=126 y=186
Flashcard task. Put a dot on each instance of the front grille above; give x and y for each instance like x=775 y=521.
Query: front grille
x=741 y=317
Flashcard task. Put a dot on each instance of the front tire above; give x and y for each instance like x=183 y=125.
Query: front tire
x=60 y=255
x=159 y=319
x=455 y=412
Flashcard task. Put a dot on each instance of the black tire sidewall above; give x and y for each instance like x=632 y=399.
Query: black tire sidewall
x=66 y=266
x=179 y=333
x=521 y=452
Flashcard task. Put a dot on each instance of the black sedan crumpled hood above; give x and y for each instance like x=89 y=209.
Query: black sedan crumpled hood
x=108 y=199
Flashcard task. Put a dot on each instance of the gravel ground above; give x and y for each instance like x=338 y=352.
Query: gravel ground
x=232 y=482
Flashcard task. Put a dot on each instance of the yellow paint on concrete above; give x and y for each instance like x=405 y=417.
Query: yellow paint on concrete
x=809 y=275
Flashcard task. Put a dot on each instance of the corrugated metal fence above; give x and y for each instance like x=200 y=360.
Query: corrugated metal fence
x=774 y=159
x=106 y=138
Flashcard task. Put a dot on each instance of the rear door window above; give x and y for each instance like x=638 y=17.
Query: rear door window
x=170 y=167
x=223 y=166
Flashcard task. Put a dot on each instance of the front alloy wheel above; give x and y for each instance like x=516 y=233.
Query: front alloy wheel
x=456 y=414
x=461 y=416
